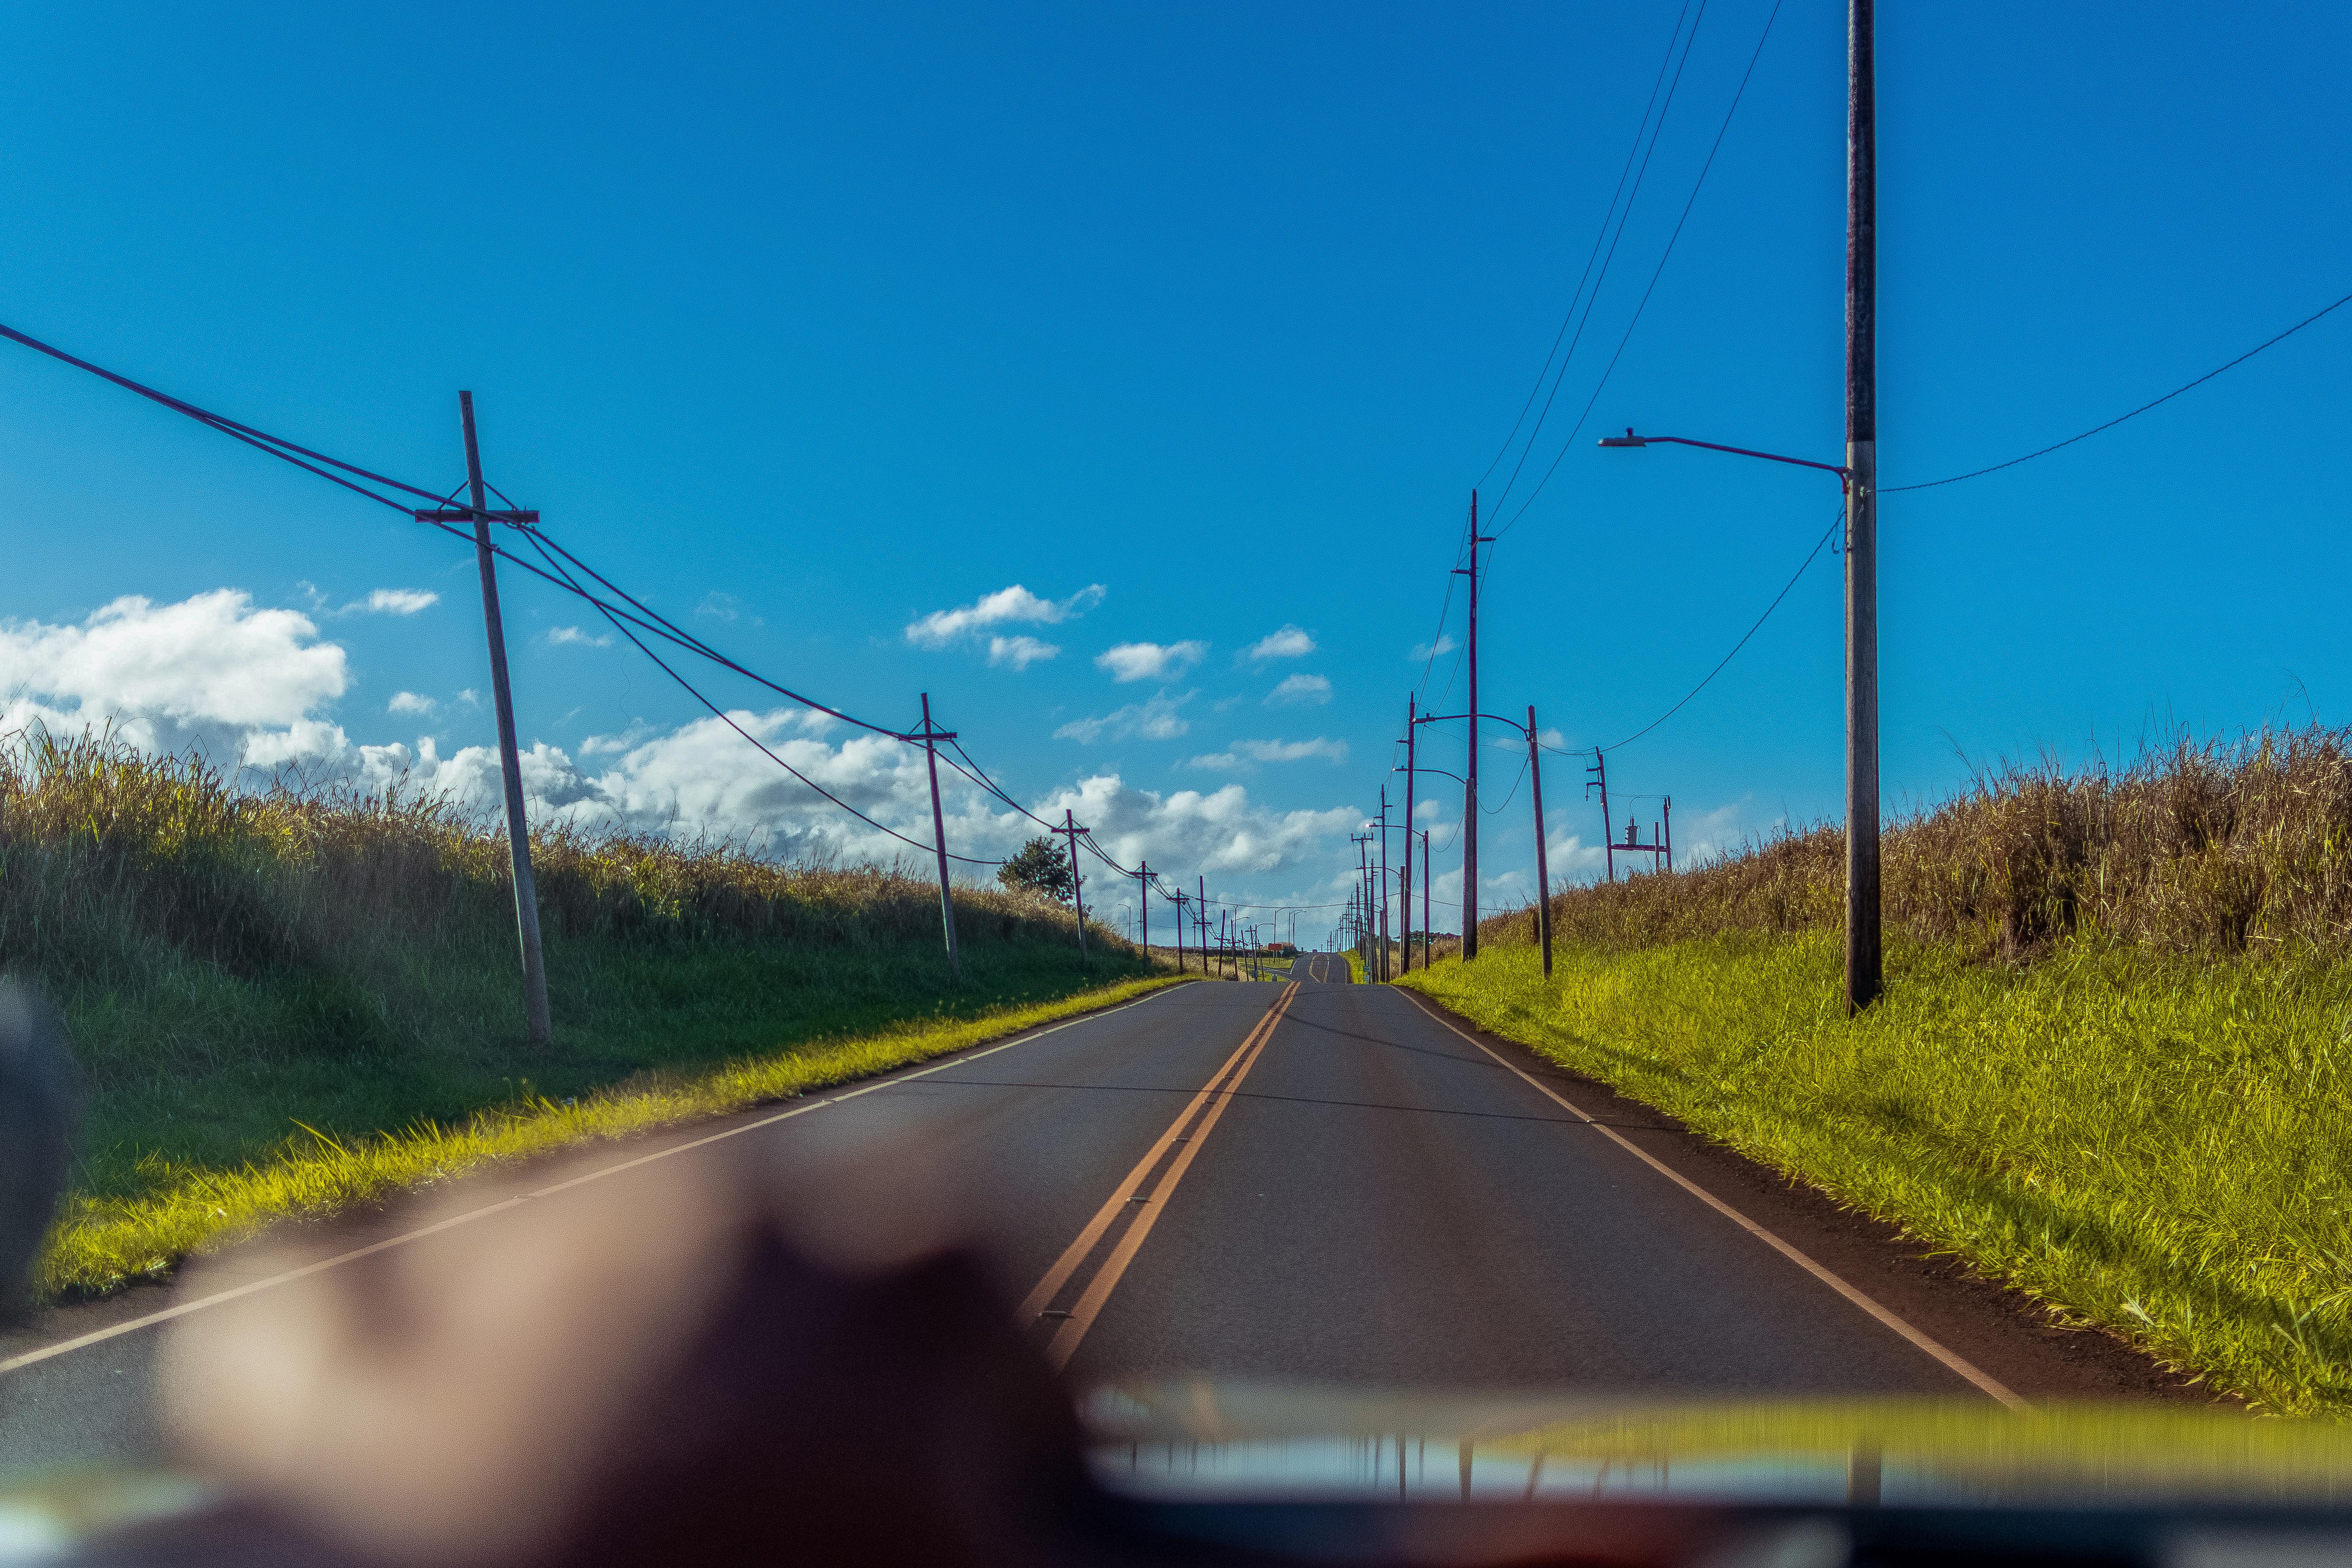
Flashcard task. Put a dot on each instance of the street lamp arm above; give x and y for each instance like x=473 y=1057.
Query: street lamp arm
x=1457 y=778
x=1630 y=440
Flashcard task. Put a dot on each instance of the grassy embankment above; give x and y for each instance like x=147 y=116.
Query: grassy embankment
x=287 y=1002
x=2113 y=1066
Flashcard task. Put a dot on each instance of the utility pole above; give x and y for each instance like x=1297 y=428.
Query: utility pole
x=526 y=892
x=1862 y=975
x=1069 y=832
x=940 y=838
x=1424 y=893
x=1543 y=873
x=1384 y=881
x=1404 y=872
x=1143 y=906
x=1470 y=773
x=1201 y=914
x=1600 y=767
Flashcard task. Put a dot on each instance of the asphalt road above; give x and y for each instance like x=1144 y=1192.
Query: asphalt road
x=1314 y=1181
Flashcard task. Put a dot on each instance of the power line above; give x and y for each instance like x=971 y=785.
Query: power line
x=2095 y=429
x=728 y=719
x=1809 y=556
x=309 y=460
x=1624 y=219
x=1599 y=235
x=1667 y=254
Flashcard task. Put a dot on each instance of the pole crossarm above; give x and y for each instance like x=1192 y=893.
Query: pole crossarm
x=521 y=517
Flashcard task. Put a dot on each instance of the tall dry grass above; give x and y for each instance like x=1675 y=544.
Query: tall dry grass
x=185 y=923
x=2220 y=847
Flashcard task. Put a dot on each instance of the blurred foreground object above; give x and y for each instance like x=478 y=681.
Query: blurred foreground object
x=40 y=1107
x=656 y=1376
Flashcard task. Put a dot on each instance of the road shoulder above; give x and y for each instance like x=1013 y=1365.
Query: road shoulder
x=2011 y=1336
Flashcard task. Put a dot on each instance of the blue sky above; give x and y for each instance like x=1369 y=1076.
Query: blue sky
x=823 y=321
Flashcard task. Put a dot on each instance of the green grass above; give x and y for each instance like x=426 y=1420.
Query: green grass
x=2154 y=1142
x=285 y=998
x=179 y=1205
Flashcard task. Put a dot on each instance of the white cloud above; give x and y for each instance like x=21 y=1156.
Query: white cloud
x=1288 y=643
x=1443 y=645
x=1298 y=689
x=1019 y=652
x=400 y=601
x=562 y=636
x=1150 y=660
x=1156 y=719
x=256 y=686
x=636 y=735
x=1222 y=833
x=1241 y=753
x=212 y=671
x=471 y=698
x=944 y=629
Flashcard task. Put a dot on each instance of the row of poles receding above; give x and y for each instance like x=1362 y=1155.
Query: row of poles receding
x=930 y=736
x=1858 y=477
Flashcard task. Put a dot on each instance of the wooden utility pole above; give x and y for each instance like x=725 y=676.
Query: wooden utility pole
x=940 y=838
x=1404 y=871
x=1543 y=873
x=1178 y=898
x=526 y=893
x=1470 y=773
x=1599 y=768
x=1383 y=876
x=1143 y=906
x=1424 y=893
x=1069 y=832
x=1863 y=972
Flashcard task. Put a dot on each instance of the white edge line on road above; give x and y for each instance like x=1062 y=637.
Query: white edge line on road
x=222 y=1298
x=1951 y=1359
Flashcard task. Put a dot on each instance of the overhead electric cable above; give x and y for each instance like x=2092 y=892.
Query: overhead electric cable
x=728 y=719
x=2096 y=430
x=1593 y=299
x=1665 y=256
x=290 y=452
x=1599 y=235
x=1809 y=556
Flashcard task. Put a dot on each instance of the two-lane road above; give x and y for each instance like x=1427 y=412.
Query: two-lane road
x=1314 y=1180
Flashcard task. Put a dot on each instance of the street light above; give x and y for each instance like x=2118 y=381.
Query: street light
x=1862 y=952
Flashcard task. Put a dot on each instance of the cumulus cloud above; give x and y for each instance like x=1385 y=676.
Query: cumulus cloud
x=702 y=777
x=1288 y=643
x=1156 y=719
x=1222 y=832
x=945 y=628
x=562 y=636
x=1019 y=652
x=1241 y=753
x=1150 y=660
x=400 y=601
x=255 y=687
x=212 y=670
x=1300 y=689
x=1432 y=649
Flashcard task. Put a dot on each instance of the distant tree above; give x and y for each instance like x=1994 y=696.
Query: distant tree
x=1041 y=867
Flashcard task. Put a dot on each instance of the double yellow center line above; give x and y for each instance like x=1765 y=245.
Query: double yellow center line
x=1183 y=1138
